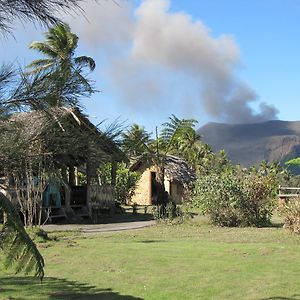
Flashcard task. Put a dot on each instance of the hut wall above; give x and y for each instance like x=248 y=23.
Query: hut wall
x=177 y=192
x=142 y=194
x=168 y=187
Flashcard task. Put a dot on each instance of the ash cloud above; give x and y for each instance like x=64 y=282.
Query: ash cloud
x=157 y=48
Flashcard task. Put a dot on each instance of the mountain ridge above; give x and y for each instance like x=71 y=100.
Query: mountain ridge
x=249 y=144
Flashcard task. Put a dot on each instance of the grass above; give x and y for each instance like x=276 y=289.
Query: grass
x=190 y=261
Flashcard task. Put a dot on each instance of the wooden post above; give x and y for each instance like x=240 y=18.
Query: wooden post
x=72 y=175
x=76 y=177
x=67 y=195
x=88 y=186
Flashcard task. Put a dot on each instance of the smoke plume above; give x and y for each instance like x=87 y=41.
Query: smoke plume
x=163 y=54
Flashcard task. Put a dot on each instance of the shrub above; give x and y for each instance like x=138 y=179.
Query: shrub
x=126 y=181
x=291 y=211
x=236 y=198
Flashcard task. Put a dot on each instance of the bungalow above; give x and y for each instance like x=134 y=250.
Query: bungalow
x=72 y=143
x=177 y=175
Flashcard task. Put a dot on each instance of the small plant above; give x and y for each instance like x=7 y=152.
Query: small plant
x=38 y=235
x=291 y=212
x=169 y=213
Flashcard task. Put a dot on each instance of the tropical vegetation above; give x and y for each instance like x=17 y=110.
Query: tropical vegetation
x=19 y=90
x=237 y=197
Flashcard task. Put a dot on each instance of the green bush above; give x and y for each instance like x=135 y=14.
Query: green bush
x=236 y=198
x=126 y=181
x=291 y=212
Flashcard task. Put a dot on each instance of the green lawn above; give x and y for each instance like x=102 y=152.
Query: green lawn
x=194 y=261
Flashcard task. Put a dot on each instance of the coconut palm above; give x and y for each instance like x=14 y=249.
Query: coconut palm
x=135 y=141
x=60 y=67
x=190 y=147
x=59 y=48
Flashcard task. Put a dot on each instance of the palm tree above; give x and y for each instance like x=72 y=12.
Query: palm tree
x=14 y=241
x=135 y=141
x=190 y=147
x=59 y=47
x=60 y=65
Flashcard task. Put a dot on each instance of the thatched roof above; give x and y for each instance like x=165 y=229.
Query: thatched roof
x=176 y=168
x=65 y=132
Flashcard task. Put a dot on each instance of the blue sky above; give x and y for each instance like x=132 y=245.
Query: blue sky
x=211 y=60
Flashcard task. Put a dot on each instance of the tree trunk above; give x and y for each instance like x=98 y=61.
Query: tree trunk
x=72 y=175
x=161 y=191
x=113 y=173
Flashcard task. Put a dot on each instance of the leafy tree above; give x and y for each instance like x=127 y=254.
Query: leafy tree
x=190 y=147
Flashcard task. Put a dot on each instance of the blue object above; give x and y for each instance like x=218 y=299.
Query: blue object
x=51 y=195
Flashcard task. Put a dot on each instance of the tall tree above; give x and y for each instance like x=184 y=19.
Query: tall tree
x=59 y=47
x=135 y=141
x=60 y=67
x=190 y=147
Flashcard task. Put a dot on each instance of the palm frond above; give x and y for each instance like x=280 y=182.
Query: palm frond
x=40 y=65
x=43 y=12
x=85 y=61
x=19 y=249
x=173 y=129
x=43 y=48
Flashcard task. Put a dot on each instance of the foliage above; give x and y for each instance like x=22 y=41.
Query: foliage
x=20 y=250
x=294 y=162
x=44 y=12
x=236 y=197
x=61 y=65
x=291 y=212
x=126 y=181
x=170 y=214
x=135 y=141
x=154 y=152
x=23 y=91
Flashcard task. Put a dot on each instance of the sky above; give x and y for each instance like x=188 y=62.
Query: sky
x=233 y=61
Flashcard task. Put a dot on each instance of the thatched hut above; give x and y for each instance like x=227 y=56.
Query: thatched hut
x=177 y=175
x=66 y=138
